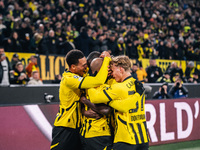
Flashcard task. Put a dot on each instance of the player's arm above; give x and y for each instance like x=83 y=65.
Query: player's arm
x=100 y=78
x=99 y=108
x=125 y=105
x=97 y=95
x=90 y=113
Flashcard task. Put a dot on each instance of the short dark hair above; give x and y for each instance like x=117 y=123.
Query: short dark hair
x=91 y=56
x=73 y=56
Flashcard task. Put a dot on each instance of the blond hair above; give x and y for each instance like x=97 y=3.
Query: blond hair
x=121 y=61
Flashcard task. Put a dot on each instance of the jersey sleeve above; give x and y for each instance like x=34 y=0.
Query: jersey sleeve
x=126 y=104
x=100 y=78
x=105 y=95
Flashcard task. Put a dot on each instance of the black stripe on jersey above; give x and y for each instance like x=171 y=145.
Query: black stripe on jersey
x=142 y=104
x=140 y=131
x=145 y=124
x=81 y=83
x=82 y=126
x=62 y=111
x=71 y=105
x=85 y=128
x=136 y=138
x=124 y=122
x=66 y=70
x=90 y=121
x=110 y=99
x=116 y=127
x=77 y=117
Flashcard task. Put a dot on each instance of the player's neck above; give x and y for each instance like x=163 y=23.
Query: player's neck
x=125 y=75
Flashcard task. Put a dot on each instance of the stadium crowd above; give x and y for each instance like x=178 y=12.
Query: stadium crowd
x=140 y=29
x=155 y=29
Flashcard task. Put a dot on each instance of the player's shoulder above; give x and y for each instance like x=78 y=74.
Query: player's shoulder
x=69 y=76
x=129 y=82
x=129 y=79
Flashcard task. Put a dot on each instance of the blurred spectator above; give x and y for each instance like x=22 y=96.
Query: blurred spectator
x=141 y=73
x=25 y=34
x=164 y=78
x=195 y=79
x=94 y=42
x=121 y=47
x=50 y=45
x=2 y=30
x=4 y=68
x=112 y=44
x=178 y=52
x=161 y=50
x=149 y=50
x=173 y=69
x=134 y=68
x=102 y=44
x=19 y=75
x=131 y=52
x=176 y=76
x=14 y=61
x=32 y=66
x=36 y=45
x=35 y=79
x=157 y=28
x=162 y=93
x=82 y=41
x=178 y=90
x=58 y=78
x=14 y=43
x=140 y=50
x=153 y=71
x=190 y=69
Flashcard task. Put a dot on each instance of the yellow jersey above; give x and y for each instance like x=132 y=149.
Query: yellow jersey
x=130 y=120
x=92 y=127
x=69 y=114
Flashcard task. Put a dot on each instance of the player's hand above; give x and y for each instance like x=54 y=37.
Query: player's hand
x=139 y=87
x=105 y=54
x=109 y=72
x=83 y=99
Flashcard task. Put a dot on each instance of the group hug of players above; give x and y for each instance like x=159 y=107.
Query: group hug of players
x=101 y=108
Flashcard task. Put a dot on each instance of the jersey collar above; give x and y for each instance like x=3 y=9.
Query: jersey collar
x=127 y=78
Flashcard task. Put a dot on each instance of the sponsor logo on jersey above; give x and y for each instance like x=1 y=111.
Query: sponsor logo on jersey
x=76 y=77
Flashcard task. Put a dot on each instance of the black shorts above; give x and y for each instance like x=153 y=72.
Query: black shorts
x=65 y=138
x=96 y=143
x=126 y=146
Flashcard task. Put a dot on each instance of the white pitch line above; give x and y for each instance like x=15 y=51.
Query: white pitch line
x=39 y=119
x=195 y=148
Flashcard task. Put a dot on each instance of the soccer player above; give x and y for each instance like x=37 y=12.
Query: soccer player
x=96 y=125
x=130 y=121
x=65 y=133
